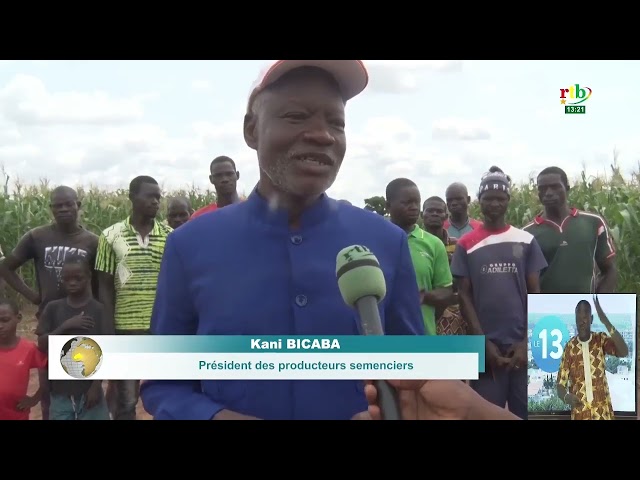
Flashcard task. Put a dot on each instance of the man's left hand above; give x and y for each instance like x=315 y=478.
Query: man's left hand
x=518 y=355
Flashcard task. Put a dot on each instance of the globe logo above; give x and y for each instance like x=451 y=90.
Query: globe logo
x=81 y=357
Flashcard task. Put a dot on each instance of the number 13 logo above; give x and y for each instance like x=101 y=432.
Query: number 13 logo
x=549 y=337
x=556 y=343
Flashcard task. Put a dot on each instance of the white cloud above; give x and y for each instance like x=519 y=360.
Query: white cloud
x=201 y=85
x=403 y=76
x=489 y=89
x=390 y=147
x=24 y=151
x=461 y=129
x=88 y=137
x=9 y=134
x=26 y=101
x=418 y=65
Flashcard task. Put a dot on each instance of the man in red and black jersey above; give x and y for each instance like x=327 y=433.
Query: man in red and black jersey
x=577 y=245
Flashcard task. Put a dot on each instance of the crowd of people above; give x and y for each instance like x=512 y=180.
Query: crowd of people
x=194 y=274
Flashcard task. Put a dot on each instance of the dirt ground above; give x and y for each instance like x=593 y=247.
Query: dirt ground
x=26 y=329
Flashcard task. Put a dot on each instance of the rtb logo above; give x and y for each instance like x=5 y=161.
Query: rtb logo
x=573 y=97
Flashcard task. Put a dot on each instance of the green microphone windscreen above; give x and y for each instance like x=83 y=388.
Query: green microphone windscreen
x=359 y=274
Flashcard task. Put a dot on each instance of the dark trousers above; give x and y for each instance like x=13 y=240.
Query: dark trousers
x=123 y=395
x=504 y=387
x=43 y=380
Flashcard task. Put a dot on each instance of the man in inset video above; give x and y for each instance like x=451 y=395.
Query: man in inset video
x=582 y=378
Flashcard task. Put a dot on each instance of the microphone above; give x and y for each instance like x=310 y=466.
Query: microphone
x=362 y=286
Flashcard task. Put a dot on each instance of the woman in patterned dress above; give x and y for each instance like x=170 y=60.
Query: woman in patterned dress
x=434 y=213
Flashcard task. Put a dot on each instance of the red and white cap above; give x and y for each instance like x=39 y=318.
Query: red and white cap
x=351 y=75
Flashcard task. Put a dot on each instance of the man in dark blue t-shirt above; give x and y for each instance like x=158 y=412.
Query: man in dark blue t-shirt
x=496 y=266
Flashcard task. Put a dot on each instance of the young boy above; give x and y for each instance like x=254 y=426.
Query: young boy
x=77 y=314
x=17 y=357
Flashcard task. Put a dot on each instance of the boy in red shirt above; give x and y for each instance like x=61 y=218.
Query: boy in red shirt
x=17 y=357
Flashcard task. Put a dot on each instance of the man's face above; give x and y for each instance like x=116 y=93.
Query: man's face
x=434 y=215
x=551 y=191
x=299 y=134
x=405 y=207
x=457 y=199
x=583 y=321
x=147 y=200
x=178 y=213
x=8 y=322
x=64 y=207
x=494 y=204
x=224 y=178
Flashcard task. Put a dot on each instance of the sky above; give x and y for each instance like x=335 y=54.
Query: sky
x=620 y=303
x=101 y=123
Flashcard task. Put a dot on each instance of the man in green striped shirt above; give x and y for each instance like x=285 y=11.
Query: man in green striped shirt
x=128 y=263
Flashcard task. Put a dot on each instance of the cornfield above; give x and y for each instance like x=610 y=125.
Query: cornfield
x=615 y=197
x=27 y=207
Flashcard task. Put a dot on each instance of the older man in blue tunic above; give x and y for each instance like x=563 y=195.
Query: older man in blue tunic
x=267 y=266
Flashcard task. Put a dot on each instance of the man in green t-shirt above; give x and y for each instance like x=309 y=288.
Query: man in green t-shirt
x=429 y=255
x=577 y=245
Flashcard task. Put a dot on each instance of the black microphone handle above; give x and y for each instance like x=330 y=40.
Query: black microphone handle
x=388 y=401
x=370 y=324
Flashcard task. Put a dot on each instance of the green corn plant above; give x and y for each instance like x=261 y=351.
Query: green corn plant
x=614 y=197
x=27 y=207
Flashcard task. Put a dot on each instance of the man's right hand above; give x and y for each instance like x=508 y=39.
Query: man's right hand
x=79 y=322
x=572 y=400
x=425 y=400
x=437 y=400
x=494 y=357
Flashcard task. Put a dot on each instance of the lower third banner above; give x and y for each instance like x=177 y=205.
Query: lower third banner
x=190 y=357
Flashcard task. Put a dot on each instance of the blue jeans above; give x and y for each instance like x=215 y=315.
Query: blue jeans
x=63 y=407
